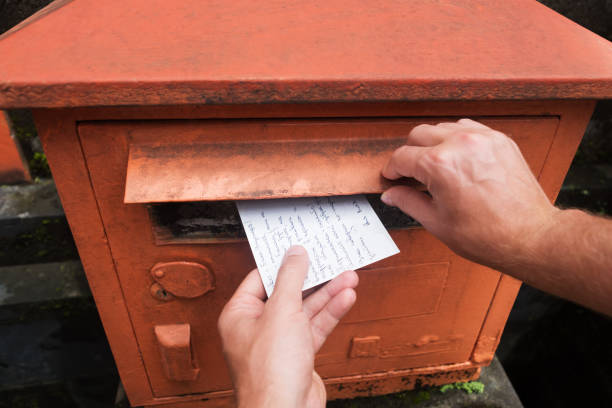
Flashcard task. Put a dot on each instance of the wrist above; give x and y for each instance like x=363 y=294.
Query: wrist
x=539 y=240
x=270 y=397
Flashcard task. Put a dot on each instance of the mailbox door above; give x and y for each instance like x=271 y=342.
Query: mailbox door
x=423 y=307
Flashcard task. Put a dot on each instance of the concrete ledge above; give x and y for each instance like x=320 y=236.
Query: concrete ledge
x=23 y=206
x=24 y=284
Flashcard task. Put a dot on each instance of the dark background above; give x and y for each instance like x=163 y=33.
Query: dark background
x=556 y=354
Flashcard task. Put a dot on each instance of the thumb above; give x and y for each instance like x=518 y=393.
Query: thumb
x=412 y=202
x=290 y=279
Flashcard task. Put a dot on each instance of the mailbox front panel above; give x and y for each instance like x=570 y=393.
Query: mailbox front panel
x=424 y=307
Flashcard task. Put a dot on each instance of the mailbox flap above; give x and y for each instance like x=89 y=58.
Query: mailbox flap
x=270 y=168
x=236 y=171
x=213 y=160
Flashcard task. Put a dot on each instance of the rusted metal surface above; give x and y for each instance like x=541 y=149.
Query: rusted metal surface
x=276 y=159
x=78 y=199
x=419 y=333
x=12 y=165
x=114 y=292
x=455 y=310
x=240 y=52
x=423 y=317
x=368 y=385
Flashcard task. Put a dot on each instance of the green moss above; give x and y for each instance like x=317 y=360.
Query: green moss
x=421 y=396
x=39 y=164
x=469 y=387
x=23 y=126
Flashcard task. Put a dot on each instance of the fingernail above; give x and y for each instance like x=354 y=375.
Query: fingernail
x=385 y=198
x=295 y=250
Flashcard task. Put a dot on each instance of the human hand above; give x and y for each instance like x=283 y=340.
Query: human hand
x=270 y=346
x=485 y=203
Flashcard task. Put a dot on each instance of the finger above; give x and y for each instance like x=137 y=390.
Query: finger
x=251 y=286
x=249 y=293
x=316 y=301
x=403 y=163
x=412 y=202
x=427 y=135
x=290 y=279
x=327 y=319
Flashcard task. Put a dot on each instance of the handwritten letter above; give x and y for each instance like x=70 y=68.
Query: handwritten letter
x=339 y=233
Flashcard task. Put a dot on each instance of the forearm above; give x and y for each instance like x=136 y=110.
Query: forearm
x=570 y=258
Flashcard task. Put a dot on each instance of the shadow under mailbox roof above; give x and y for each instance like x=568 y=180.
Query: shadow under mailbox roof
x=143 y=52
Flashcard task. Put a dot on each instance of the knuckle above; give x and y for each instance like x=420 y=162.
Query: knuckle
x=419 y=129
x=436 y=157
x=397 y=155
x=422 y=126
x=469 y=123
x=320 y=329
x=470 y=137
x=401 y=150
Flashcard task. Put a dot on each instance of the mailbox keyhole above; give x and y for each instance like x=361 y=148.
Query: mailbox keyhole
x=159 y=293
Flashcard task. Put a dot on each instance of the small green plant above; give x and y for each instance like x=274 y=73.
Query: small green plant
x=470 y=387
x=39 y=164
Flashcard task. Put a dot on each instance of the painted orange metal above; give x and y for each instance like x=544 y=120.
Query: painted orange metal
x=353 y=82
x=12 y=165
x=441 y=316
x=183 y=279
x=177 y=358
x=143 y=52
x=192 y=161
x=449 y=295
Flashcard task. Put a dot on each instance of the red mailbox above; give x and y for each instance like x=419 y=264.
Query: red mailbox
x=156 y=116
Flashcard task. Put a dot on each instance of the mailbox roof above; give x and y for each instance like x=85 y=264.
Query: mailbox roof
x=144 y=52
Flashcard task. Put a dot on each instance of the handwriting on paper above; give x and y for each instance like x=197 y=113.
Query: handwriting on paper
x=339 y=233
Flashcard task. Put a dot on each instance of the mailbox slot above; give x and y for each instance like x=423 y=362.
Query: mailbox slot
x=204 y=222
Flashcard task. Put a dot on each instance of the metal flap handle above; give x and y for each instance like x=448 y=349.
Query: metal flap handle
x=174 y=342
